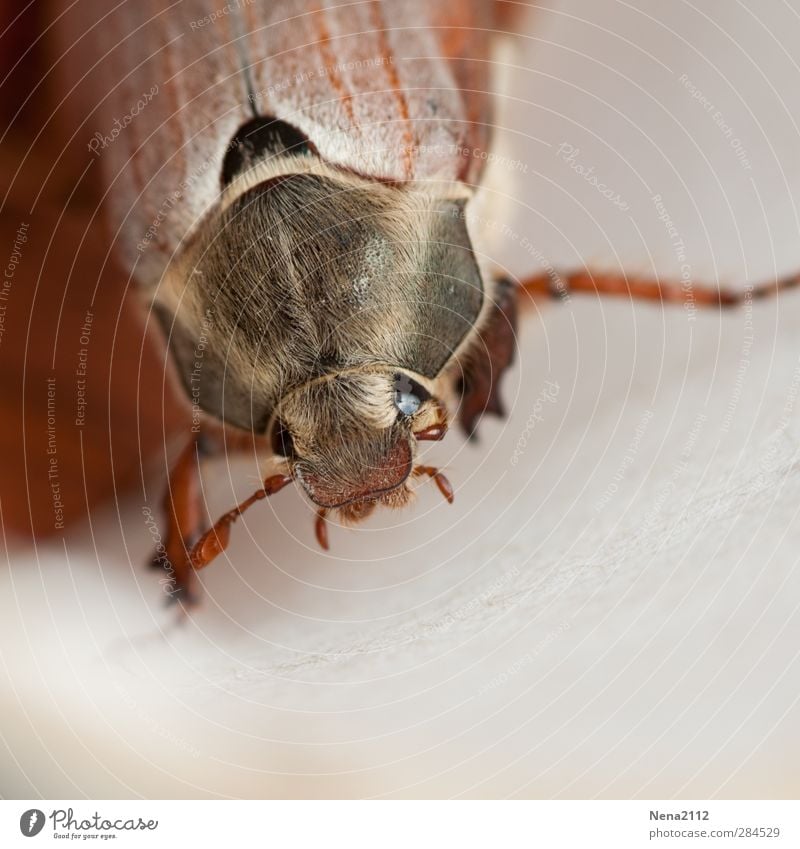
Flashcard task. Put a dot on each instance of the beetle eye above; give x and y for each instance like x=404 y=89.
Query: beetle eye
x=282 y=440
x=408 y=394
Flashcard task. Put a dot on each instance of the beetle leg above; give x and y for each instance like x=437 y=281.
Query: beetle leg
x=652 y=289
x=321 y=528
x=492 y=352
x=215 y=540
x=183 y=509
x=444 y=485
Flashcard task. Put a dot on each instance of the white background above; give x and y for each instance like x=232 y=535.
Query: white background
x=536 y=638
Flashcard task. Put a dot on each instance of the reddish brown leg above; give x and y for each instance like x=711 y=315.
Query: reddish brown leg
x=493 y=348
x=492 y=352
x=183 y=510
x=445 y=487
x=321 y=528
x=562 y=285
x=215 y=540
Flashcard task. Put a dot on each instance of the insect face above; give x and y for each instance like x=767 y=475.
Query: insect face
x=350 y=439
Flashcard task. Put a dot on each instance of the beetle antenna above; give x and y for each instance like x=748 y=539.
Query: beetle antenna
x=445 y=487
x=215 y=540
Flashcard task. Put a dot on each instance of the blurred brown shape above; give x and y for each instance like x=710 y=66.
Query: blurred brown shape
x=86 y=407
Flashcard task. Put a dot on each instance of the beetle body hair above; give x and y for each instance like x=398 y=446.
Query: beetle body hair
x=306 y=270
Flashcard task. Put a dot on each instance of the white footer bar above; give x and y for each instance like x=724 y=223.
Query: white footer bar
x=389 y=824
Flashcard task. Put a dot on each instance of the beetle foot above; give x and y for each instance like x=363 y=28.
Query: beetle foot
x=182 y=514
x=178 y=579
x=187 y=595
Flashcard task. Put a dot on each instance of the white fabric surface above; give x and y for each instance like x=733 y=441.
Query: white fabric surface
x=610 y=608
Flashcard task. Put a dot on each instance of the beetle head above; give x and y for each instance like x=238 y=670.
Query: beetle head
x=350 y=438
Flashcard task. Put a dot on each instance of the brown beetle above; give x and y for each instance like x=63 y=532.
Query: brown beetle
x=292 y=204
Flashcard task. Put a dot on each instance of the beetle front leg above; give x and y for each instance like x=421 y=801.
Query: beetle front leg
x=183 y=510
x=492 y=352
x=561 y=286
